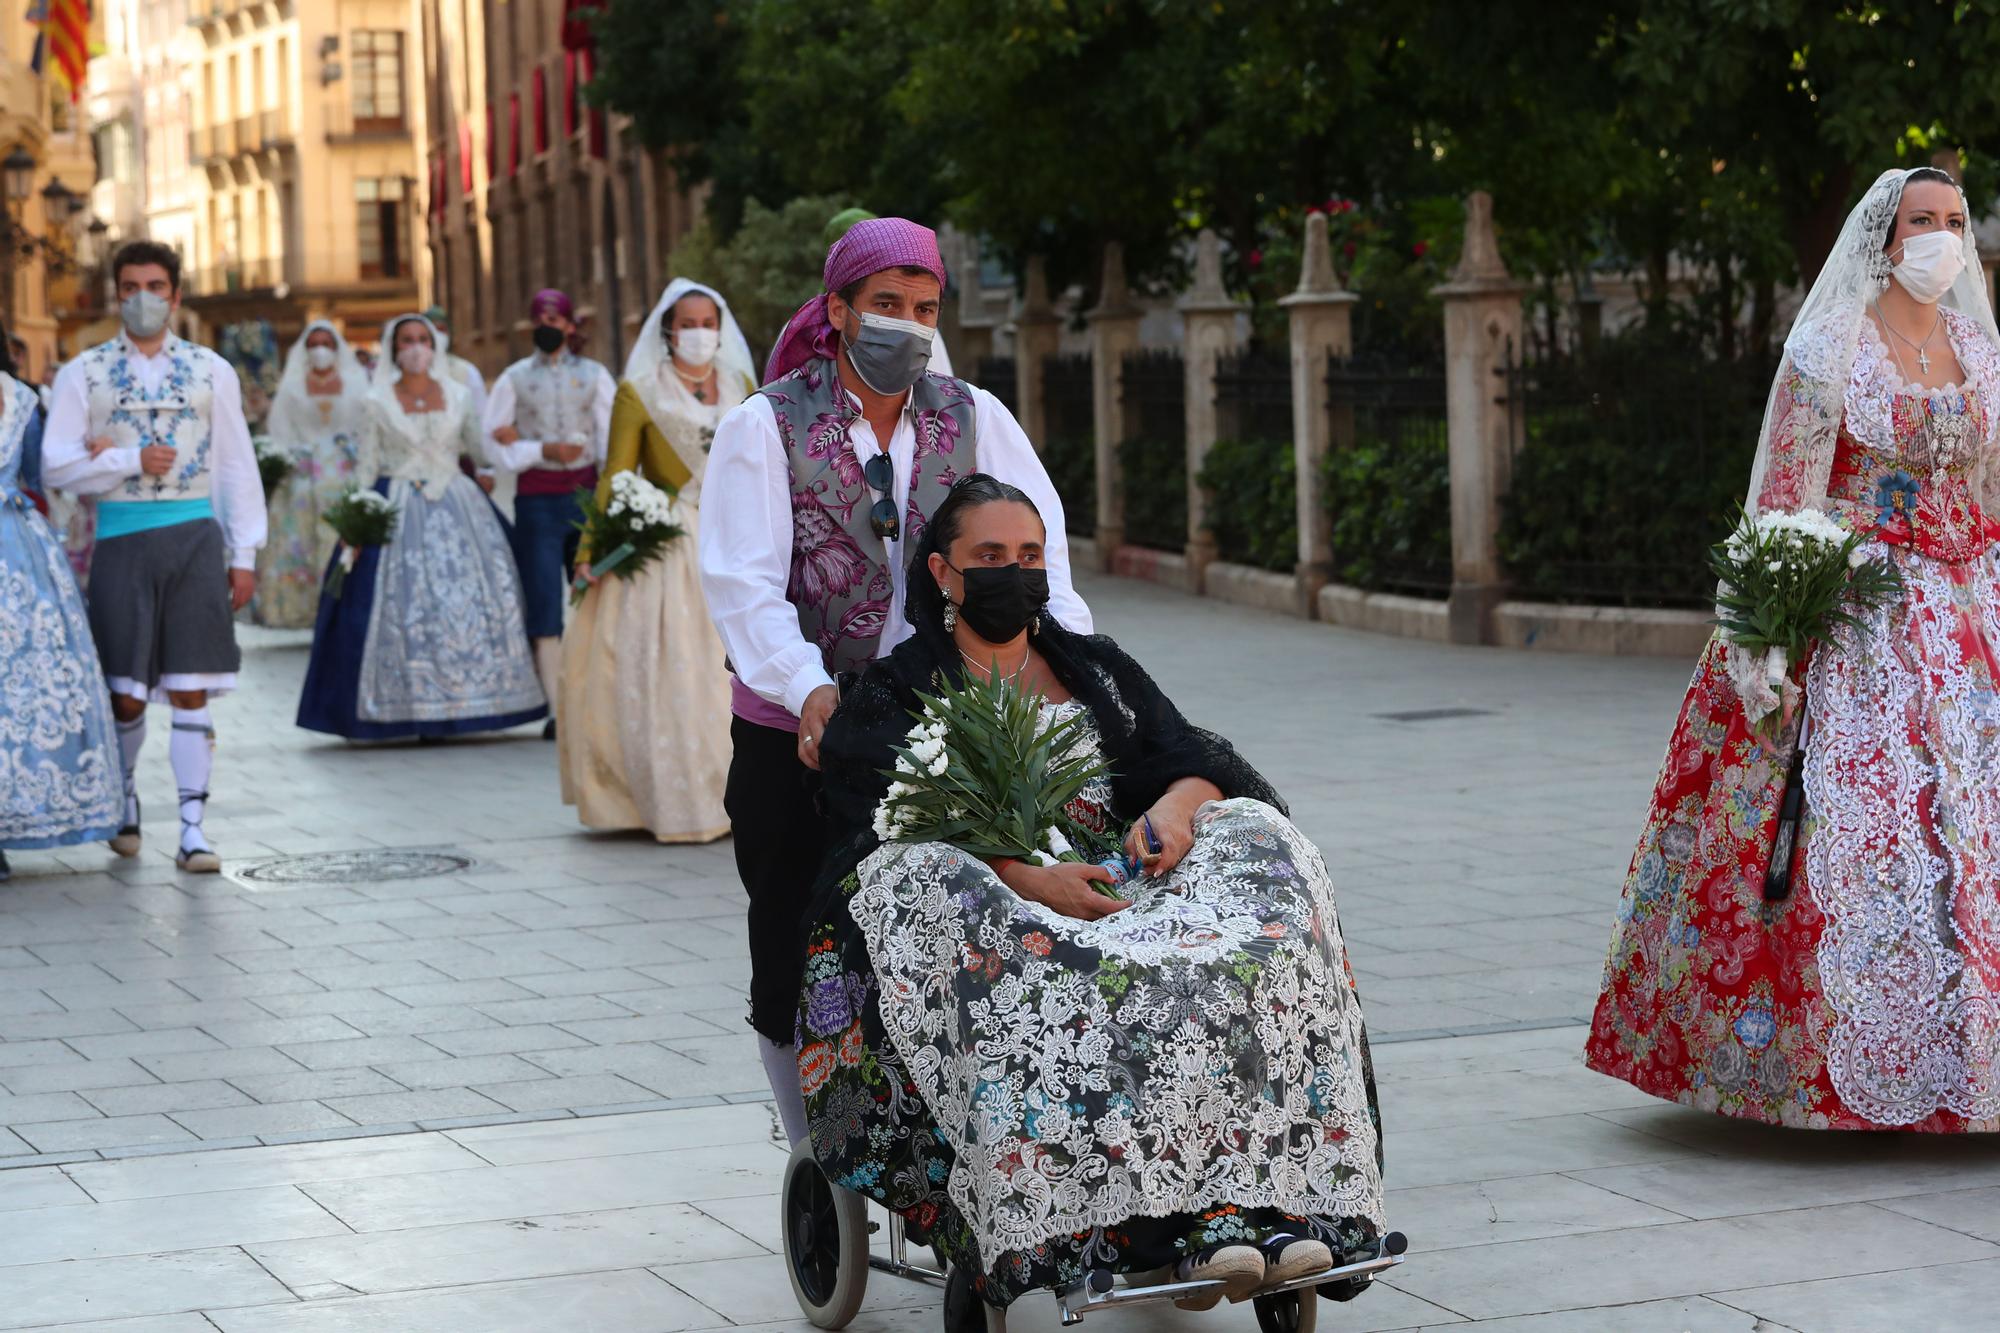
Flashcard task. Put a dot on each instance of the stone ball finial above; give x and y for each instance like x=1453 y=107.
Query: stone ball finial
x=1208 y=268
x=1316 y=275
x=1480 y=259
x=1035 y=286
x=1114 y=288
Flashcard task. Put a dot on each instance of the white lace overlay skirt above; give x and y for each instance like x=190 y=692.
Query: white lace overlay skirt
x=1201 y=1047
x=1903 y=846
x=446 y=637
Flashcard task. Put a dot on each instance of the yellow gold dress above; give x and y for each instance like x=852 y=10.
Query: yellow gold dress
x=644 y=699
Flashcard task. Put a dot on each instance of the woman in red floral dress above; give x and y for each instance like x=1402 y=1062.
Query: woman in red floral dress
x=1869 y=997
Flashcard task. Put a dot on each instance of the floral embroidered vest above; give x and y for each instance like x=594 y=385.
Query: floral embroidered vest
x=556 y=400
x=177 y=413
x=841 y=579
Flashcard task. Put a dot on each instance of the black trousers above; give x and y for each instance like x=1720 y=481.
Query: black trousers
x=780 y=834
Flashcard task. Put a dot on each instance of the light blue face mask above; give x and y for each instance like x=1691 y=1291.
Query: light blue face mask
x=144 y=314
x=890 y=354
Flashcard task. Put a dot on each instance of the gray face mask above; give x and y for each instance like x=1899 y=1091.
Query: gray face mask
x=890 y=354
x=144 y=314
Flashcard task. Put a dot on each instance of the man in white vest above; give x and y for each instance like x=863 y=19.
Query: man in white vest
x=153 y=426
x=548 y=421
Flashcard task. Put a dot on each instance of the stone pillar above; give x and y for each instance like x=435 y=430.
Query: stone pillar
x=1589 y=316
x=1114 y=331
x=1321 y=317
x=1209 y=332
x=951 y=308
x=1482 y=330
x=975 y=322
x=1036 y=330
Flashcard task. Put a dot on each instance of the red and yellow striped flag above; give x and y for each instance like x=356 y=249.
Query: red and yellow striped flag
x=66 y=30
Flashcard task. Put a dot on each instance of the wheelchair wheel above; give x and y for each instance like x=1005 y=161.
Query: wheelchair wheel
x=1287 y=1312
x=826 y=1242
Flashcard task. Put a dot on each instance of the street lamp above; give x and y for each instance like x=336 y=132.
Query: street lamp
x=60 y=206
x=19 y=169
x=59 y=202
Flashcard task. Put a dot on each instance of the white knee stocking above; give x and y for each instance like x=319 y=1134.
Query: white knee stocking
x=781 y=1067
x=131 y=736
x=192 y=751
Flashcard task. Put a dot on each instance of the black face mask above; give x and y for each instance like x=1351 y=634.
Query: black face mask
x=1000 y=600
x=548 y=338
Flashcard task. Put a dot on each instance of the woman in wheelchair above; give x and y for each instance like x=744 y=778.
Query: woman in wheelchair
x=1044 y=1079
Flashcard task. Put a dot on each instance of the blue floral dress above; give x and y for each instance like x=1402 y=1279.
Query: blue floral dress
x=60 y=777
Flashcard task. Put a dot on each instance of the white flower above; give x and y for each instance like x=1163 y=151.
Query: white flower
x=938 y=766
x=1857 y=557
x=1058 y=844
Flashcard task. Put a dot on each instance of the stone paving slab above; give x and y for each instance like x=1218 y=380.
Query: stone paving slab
x=296 y=1071
x=668 y=1220
x=562 y=971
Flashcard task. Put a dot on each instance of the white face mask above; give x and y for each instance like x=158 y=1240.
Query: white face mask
x=321 y=358
x=697 y=347
x=1931 y=263
x=414 y=359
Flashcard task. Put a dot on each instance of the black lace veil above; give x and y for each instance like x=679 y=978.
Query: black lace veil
x=1148 y=742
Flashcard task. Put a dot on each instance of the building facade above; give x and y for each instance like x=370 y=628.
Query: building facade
x=529 y=187
x=302 y=166
x=40 y=282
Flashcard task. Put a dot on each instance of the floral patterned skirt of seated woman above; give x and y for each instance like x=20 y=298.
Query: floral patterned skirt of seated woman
x=1046 y=1095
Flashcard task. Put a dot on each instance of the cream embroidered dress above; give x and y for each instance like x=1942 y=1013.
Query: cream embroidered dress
x=321 y=434
x=644 y=699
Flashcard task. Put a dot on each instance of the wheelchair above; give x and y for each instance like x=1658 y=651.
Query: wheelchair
x=829 y=1234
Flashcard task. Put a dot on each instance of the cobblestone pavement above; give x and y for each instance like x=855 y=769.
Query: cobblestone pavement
x=519 y=1094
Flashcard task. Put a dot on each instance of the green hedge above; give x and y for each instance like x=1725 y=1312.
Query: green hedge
x=1155 y=473
x=1252 y=488
x=1072 y=466
x=1391 y=507
x=1617 y=496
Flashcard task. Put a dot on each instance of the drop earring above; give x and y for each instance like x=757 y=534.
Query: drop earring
x=950 y=610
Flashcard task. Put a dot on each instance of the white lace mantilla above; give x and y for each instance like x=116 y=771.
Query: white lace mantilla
x=1210 y=1054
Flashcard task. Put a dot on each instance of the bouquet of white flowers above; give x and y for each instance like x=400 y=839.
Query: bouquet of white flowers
x=274 y=465
x=981 y=770
x=1788 y=578
x=632 y=530
x=359 y=518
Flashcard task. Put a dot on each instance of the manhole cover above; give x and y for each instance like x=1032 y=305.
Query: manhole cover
x=373 y=866
x=1435 y=714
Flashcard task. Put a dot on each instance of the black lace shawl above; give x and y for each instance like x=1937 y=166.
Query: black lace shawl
x=1147 y=741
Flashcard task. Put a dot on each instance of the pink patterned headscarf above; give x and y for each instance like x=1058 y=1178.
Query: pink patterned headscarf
x=551 y=301
x=869 y=247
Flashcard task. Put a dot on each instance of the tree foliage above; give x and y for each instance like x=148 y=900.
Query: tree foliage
x=768 y=267
x=1719 y=138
